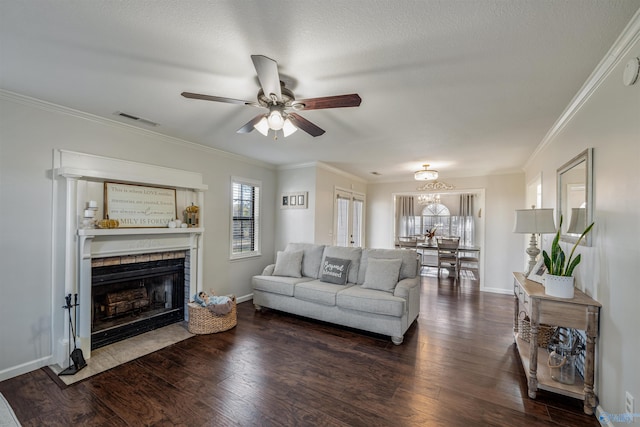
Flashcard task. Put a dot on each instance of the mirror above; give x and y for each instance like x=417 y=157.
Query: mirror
x=575 y=197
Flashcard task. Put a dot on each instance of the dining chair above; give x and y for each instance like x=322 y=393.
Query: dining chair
x=407 y=242
x=448 y=254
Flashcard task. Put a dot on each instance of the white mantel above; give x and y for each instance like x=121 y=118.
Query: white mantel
x=75 y=172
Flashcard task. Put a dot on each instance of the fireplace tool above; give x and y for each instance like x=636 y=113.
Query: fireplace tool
x=76 y=359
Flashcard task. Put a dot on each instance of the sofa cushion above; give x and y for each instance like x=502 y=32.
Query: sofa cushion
x=277 y=284
x=288 y=264
x=382 y=274
x=311 y=258
x=318 y=292
x=409 y=266
x=335 y=270
x=370 y=301
x=352 y=254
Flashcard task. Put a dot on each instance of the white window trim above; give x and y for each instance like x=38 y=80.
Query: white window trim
x=258 y=251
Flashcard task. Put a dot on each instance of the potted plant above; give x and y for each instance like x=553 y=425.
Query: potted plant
x=559 y=278
x=430 y=234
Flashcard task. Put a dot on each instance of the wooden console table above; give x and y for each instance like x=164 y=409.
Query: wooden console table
x=580 y=312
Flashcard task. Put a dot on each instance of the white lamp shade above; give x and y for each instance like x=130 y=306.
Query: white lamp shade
x=578 y=221
x=262 y=126
x=288 y=128
x=276 y=121
x=535 y=221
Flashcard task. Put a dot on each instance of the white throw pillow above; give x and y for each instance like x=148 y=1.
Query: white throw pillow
x=288 y=264
x=382 y=274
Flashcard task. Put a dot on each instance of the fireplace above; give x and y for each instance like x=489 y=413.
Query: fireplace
x=80 y=178
x=131 y=295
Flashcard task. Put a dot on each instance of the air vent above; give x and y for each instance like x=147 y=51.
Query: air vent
x=137 y=119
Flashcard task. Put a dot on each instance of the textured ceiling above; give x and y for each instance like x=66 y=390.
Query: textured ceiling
x=470 y=87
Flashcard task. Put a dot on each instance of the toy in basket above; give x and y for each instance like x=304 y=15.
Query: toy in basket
x=208 y=315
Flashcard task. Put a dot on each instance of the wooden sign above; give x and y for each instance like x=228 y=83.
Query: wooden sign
x=137 y=206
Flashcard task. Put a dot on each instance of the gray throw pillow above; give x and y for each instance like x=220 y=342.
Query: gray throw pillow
x=288 y=264
x=335 y=270
x=382 y=274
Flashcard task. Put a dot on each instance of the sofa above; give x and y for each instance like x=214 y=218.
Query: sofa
x=375 y=290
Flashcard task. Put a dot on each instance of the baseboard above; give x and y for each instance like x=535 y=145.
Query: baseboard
x=609 y=419
x=244 y=298
x=497 y=290
x=604 y=421
x=25 y=368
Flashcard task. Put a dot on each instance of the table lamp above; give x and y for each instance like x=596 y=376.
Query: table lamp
x=534 y=221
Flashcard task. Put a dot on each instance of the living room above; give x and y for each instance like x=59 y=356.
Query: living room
x=603 y=115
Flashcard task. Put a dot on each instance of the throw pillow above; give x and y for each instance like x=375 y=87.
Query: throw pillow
x=288 y=264
x=335 y=270
x=382 y=274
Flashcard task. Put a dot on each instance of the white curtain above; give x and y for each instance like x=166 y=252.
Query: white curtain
x=405 y=216
x=465 y=221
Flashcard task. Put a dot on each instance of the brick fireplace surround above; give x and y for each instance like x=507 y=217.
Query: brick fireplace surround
x=79 y=178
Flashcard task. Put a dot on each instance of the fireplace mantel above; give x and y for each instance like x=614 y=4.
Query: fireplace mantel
x=137 y=231
x=80 y=177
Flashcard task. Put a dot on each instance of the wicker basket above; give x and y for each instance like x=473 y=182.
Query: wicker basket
x=203 y=321
x=545 y=332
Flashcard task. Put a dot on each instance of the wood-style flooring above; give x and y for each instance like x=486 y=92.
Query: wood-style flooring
x=457 y=367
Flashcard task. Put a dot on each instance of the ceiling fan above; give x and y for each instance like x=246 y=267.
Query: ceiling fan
x=279 y=100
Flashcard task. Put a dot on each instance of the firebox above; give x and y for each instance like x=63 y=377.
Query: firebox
x=130 y=298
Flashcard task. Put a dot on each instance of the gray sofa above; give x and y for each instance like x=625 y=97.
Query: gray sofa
x=381 y=293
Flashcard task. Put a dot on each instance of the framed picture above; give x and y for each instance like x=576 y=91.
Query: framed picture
x=538 y=271
x=296 y=200
x=139 y=206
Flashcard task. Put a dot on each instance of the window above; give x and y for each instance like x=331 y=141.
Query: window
x=245 y=218
x=349 y=219
x=435 y=215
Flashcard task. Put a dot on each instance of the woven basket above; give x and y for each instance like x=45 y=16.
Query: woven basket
x=203 y=321
x=545 y=332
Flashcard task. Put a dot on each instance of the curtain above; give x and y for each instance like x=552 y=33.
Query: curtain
x=405 y=216
x=465 y=221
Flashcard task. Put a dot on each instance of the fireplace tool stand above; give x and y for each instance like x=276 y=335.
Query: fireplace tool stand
x=76 y=359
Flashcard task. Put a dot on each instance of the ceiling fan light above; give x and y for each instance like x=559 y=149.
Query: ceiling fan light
x=262 y=126
x=276 y=121
x=288 y=128
x=425 y=174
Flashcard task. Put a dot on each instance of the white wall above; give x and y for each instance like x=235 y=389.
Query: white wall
x=608 y=121
x=296 y=225
x=502 y=252
x=315 y=224
x=29 y=132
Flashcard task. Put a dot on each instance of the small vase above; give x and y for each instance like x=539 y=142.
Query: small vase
x=558 y=286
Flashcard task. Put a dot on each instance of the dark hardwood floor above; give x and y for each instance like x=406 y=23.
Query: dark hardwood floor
x=457 y=367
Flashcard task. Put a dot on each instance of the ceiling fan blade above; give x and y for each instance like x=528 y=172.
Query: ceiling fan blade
x=248 y=127
x=304 y=124
x=338 y=101
x=219 y=99
x=267 y=70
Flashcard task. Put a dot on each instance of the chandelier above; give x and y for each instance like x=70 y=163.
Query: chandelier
x=425 y=174
x=428 y=199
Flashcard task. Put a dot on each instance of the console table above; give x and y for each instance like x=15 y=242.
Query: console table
x=580 y=312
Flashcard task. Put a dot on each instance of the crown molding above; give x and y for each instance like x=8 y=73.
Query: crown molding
x=51 y=107
x=625 y=41
x=325 y=166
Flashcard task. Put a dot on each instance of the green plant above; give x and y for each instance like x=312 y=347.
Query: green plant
x=555 y=263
